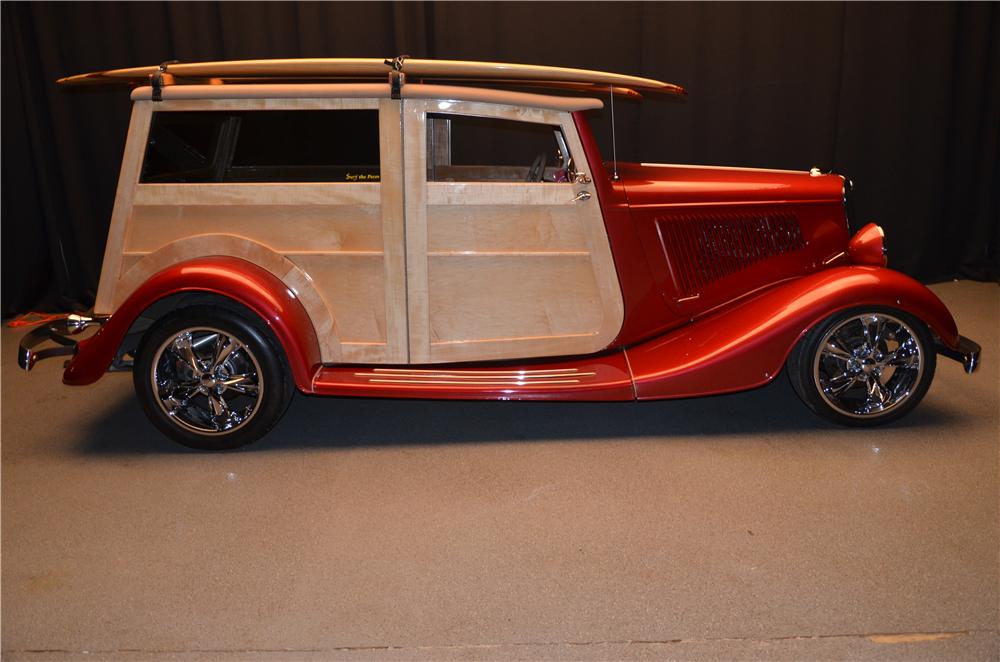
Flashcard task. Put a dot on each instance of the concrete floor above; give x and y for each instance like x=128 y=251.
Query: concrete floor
x=735 y=527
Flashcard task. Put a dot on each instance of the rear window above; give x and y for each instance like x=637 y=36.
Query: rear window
x=262 y=146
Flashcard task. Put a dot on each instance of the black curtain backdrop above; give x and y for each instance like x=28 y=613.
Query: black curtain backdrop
x=903 y=98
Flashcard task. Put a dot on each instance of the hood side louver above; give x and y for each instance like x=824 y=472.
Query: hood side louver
x=704 y=248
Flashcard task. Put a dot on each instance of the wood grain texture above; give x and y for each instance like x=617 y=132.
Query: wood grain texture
x=401 y=271
x=325 y=241
x=310 y=95
x=284 y=228
x=415 y=196
x=353 y=287
x=128 y=179
x=484 y=298
x=297 y=102
x=397 y=349
x=288 y=195
x=504 y=270
x=509 y=227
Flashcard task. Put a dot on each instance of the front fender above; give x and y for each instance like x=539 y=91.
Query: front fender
x=243 y=282
x=746 y=345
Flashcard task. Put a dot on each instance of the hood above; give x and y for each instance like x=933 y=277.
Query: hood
x=656 y=183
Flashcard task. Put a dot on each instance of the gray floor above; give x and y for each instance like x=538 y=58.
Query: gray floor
x=731 y=527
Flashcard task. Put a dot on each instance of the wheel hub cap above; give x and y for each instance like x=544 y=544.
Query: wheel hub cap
x=207 y=381
x=868 y=365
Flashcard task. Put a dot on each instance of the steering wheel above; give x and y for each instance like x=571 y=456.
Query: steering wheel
x=537 y=170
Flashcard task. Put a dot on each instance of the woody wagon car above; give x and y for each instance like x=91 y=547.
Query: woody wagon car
x=428 y=229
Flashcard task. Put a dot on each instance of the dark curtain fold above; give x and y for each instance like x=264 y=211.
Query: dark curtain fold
x=902 y=97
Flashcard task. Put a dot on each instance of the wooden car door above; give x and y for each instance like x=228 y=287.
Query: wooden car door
x=498 y=267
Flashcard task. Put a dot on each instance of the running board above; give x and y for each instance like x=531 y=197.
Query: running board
x=590 y=379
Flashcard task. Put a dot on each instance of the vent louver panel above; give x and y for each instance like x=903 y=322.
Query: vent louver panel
x=703 y=248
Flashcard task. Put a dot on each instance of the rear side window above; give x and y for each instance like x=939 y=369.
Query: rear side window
x=262 y=146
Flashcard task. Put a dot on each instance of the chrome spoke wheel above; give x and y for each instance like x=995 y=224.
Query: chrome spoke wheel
x=868 y=365
x=207 y=381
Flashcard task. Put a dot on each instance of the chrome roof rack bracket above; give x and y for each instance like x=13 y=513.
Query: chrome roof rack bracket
x=396 y=77
x=156 y=80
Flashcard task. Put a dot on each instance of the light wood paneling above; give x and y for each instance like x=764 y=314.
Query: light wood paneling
x=353 y=288
x=542 y=297
x=128 y=178
x=393 y=235
x=305 y=95
x=504 y=228
x=447 y=272
x=415 y=196
x=504 y=270
x=289 y=195
x=291 y=103
x=339 y=246
x=284 y=228
x=499 y=194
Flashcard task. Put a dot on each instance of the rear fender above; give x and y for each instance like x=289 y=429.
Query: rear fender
x=746 y=345
x=243 y=282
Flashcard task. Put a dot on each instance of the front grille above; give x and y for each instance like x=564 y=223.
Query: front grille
x=703 y=248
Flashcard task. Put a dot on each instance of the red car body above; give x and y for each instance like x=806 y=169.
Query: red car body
x=701 y=317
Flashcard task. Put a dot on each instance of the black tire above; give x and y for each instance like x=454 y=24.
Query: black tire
x=214 y=404
x=841 y=389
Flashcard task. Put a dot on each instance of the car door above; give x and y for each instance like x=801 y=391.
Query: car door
x=498 y=267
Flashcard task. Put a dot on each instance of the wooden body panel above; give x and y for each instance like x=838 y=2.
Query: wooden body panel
x=467 y=271
x=503 y=270
x=344 y=240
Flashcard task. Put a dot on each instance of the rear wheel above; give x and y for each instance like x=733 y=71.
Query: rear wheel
x=211 y=378
x=864 y=367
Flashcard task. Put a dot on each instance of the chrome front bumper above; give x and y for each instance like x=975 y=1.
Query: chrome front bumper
x=967 y=353
x=54 y=332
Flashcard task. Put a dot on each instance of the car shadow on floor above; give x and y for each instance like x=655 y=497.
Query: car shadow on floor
x=322 y=422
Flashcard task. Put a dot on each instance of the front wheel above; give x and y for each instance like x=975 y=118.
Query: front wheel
x=864 y=367
x=211 y=378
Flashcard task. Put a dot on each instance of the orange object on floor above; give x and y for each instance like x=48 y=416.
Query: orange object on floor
x=33 y=319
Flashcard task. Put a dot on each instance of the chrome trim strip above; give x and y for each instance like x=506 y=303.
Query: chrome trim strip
x=475 y=378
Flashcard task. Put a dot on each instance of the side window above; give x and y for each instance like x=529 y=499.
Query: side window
x=262 y=146
x=461 y=148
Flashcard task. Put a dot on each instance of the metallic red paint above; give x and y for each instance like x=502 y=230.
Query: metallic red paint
x=239 y=280
x=745 y=345
x=656 y=184
x=595 y=378
x=868 y=246
x=665 y=198
x=736 y=333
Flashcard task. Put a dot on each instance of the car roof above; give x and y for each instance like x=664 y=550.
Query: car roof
x=306 y=71
x=369 y=91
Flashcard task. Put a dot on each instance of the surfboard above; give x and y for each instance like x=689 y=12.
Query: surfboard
x=313 y=69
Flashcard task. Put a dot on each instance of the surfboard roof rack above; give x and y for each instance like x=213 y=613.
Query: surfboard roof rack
x=399 y=70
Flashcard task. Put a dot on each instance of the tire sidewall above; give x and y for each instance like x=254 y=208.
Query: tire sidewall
x=274 y=396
